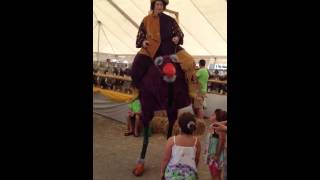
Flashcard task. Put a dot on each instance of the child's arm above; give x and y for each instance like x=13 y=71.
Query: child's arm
x=166 y=156
x=220 y=127
x=220 y=146
x=224 y=122
x=198 y=153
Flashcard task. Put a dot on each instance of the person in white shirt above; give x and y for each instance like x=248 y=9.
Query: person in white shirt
x=182 y=152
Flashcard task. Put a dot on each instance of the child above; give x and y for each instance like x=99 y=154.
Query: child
x=214 y=145
x=133 y=118
x=222 y=127
x=182 y=152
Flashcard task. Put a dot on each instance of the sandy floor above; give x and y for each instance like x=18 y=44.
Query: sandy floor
x=115 y=155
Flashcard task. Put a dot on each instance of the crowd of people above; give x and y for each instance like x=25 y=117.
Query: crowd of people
x=123 y=70
x=219 y=75
x=115 y=69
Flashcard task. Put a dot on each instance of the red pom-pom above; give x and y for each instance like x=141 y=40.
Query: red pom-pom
x=169 y=70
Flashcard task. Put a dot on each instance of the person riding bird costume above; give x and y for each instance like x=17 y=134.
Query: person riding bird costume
x=163 y=73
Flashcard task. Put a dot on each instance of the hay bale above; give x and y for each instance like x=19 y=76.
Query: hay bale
x=160 y=124
x=161 y=113
x=175 y=129
x=157 y=124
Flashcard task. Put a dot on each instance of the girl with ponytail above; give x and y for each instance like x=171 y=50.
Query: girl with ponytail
x=182 y=152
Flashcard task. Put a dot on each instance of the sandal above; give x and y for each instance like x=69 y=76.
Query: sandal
x=128 y=133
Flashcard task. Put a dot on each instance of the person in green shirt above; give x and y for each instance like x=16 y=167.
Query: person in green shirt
x=202 y=77
x=133 y=118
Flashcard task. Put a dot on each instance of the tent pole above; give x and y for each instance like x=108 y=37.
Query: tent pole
x=214 y=64
x=99 y=25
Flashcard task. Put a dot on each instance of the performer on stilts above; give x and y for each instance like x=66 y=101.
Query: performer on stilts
x=162 y=71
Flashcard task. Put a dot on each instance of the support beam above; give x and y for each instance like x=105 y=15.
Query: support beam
x=99 y=25
x=124 y=14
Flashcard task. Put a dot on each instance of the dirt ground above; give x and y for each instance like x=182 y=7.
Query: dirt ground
x=115 y=155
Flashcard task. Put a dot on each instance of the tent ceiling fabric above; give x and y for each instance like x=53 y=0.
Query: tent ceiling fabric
x=204 y=23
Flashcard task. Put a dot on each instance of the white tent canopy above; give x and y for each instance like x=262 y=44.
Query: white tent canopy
x=204 y=23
